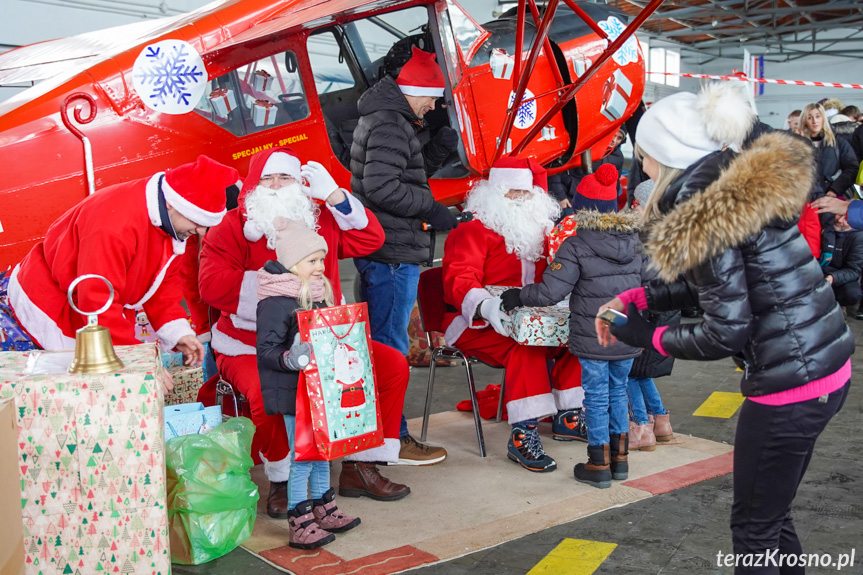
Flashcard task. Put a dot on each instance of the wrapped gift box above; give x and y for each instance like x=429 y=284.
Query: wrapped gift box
x=615 y=95
x=189 y=418
x=264 y=113
x=262 y=80
x=187 y=381
x=11 y=534
x=223 y=101
x=540 y=326
x=92 y=466
x=502 y=64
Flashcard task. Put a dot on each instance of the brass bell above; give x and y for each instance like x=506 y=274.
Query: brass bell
x=94 y=352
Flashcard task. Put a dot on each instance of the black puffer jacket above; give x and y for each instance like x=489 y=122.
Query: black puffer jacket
x=600 y=261
x=276 y=328
x=730 y=228
x=836 y=168
x=388 y=173
x=651 y=363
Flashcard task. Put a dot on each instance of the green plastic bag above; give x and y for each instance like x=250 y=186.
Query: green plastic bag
x=212 y=501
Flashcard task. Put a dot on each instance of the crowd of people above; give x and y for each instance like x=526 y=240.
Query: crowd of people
x=719 y=223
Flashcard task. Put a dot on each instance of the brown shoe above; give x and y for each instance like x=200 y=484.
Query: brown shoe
x=277 y=500
x=661 y=428
x=359 y=478
x=641 y=437
x=412 y=452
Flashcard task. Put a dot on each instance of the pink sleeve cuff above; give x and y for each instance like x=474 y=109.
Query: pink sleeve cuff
x=657 y=339
x=635 y=295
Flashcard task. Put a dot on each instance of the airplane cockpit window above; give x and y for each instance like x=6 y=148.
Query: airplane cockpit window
x=256 y=97
x=468 y=34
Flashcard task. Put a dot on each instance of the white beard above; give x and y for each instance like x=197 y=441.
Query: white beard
x=264 y=205
x=524 y=225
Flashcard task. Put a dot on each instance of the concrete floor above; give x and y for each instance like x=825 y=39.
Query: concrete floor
x=678 y=532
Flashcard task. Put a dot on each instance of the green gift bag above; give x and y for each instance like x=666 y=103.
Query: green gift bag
x=212 y=501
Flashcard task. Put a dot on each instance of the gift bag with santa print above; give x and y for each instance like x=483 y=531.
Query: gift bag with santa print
x=337 y=411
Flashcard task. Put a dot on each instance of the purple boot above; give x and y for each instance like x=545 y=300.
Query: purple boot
x=305 y=533
x=329 y=517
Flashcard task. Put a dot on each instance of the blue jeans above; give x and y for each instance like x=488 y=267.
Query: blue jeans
x=605 y=404
x=390 y=291
x=305 y=474
x=643 y=399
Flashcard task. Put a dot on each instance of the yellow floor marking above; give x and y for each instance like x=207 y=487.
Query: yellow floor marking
x=720 y=404
x=574 y=557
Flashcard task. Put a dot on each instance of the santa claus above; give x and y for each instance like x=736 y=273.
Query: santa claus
x=506 y=245
x=232 y=254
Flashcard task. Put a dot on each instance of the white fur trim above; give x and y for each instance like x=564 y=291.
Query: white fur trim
x=241 y=323
x=189 y=210
x=155 y=286
x=251 y=231
x=277 y=471
x=571 y=398
x=528 y=272
x=511 y=178
x=386 y=453
x=531 y=407
x=421 y=91
x=465 y=321
x=227 y=345
x=170 y=333
x=357 y=219
x=454 y=331
x=247 y=308
x=282 y=163
x=44 y=329
x=204 y=337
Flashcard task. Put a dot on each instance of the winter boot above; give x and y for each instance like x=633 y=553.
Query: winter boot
x=641 y=437
x=619 y=456
x=661 y=428
x=277 y=500
x=569 y=425
x=330 y=517
x=362 y=479
x=305 y=533
x=525 y=447
x=597 y=470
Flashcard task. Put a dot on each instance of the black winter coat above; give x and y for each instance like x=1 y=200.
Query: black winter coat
x=836 y=168
x=651 y=363
x=847 y=262
x=276 y=328
x=730 y=230
x=603 y=259
x=856 y=142
x=562 y=186
x=388 y=173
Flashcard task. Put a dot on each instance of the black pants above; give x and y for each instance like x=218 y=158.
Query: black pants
x=772 y=449
x=847 y=294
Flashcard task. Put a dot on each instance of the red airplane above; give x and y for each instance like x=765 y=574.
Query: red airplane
x=245 y=75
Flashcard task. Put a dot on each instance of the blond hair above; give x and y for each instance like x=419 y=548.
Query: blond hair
x=826 y=130
x=304 y=298
x=664 y=179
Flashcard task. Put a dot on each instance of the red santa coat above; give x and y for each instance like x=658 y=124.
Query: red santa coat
x=476 y=257
x=114 y=233
x=232 y=255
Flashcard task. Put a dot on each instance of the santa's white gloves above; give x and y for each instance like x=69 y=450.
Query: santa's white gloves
x=490 y=310
x=321 y=183
x=299 y=356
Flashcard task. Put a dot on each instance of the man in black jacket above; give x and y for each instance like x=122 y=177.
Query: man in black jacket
x=389 y=174
x=843 y=273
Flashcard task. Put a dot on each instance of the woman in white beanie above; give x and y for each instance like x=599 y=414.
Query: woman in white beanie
x=723 y=235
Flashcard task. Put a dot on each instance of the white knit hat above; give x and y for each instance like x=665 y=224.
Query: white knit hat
x=680 y=129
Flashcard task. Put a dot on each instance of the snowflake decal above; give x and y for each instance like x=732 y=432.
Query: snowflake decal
x=170 y=76
x=526 y=114
x=629 y=51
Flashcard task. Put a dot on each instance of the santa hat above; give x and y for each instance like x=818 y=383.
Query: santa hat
x=197 y=190
x=421 y=76
x=294 y=241
x=680 y=129
x=597 y=191
x=282 y=163
x=517 y=174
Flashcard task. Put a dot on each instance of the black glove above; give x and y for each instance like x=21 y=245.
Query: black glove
x=637 y=332
x=441 y=219
x=511 y=299
x=444 y=142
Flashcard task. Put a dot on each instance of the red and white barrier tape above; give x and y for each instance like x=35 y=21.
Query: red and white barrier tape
x=742 y=78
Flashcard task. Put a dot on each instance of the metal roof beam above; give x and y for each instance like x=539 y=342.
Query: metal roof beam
x=750 y=33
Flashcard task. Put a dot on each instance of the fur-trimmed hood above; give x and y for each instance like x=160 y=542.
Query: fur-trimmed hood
x=769 y=181
x=625 y=222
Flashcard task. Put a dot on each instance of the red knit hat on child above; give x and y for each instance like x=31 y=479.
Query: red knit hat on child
x=421 y=76
x=197 y=190
x=597 y=191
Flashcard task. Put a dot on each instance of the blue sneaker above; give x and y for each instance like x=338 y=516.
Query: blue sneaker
x=569 y=425
x=524 y=447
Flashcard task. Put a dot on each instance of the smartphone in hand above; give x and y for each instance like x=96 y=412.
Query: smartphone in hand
x=613 y=316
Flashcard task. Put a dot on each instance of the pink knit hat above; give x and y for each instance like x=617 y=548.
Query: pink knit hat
x=294 y=241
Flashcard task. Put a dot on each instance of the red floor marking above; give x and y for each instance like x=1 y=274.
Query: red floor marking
x=322 y=562
x=672 y=479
